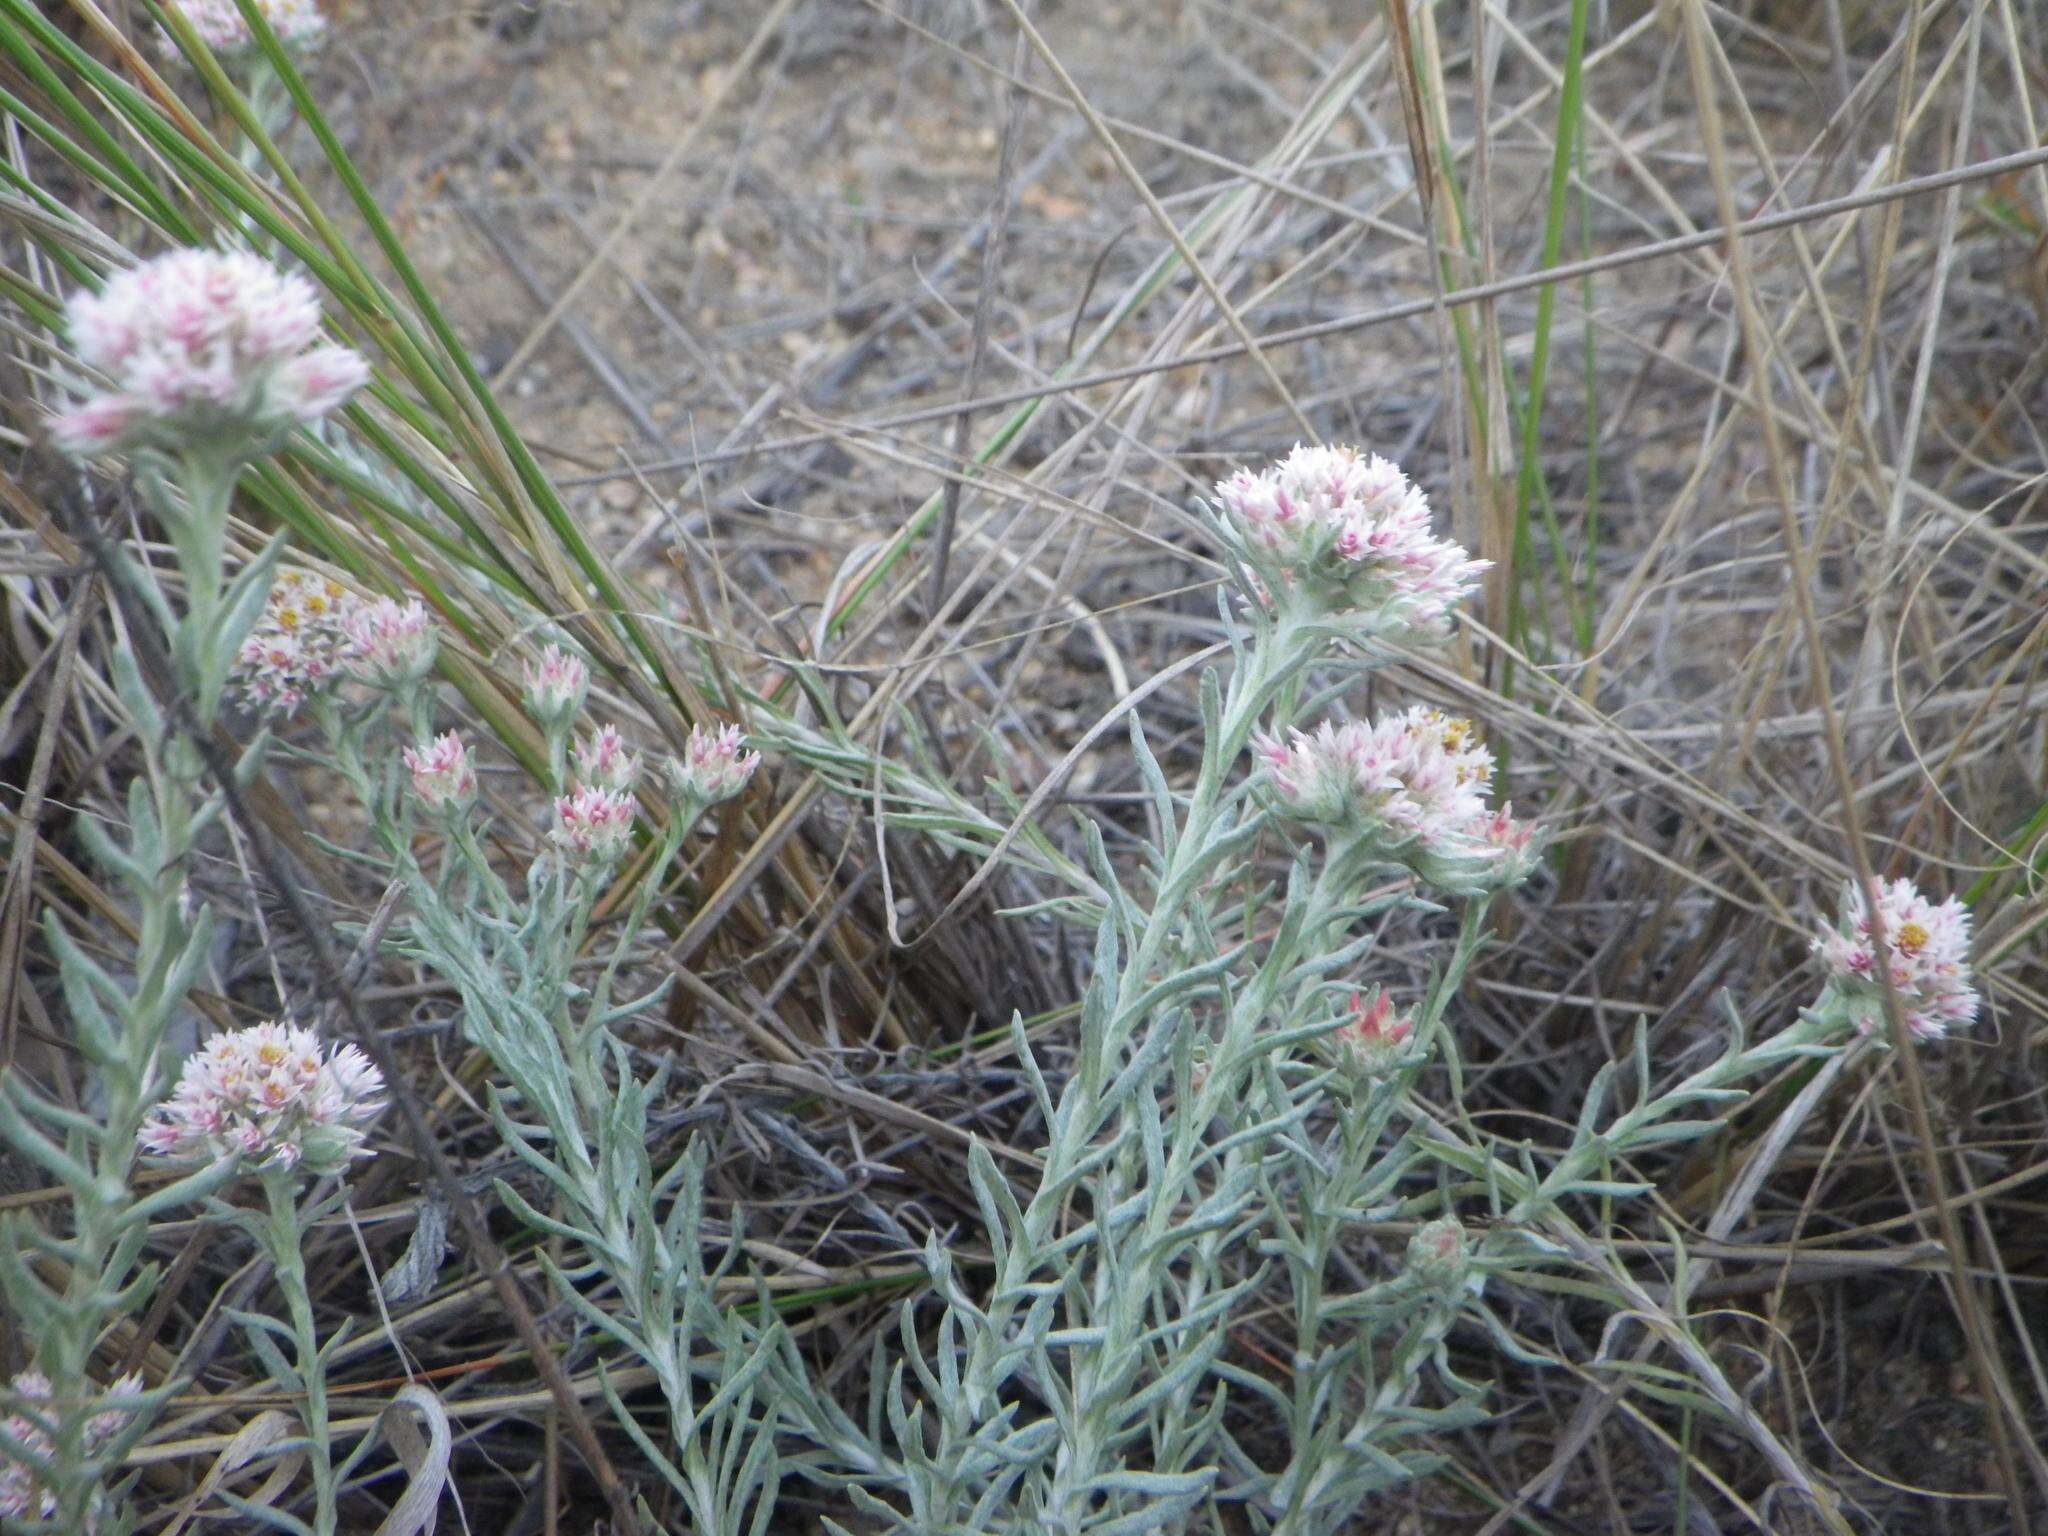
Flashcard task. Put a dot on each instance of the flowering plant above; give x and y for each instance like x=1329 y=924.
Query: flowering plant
x=270 y=1100
x=1919 y=947
x=209 y=362
x=1346 y=536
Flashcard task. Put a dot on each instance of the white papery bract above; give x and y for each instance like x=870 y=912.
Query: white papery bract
x=210 y=351
x=272 y=1095
x=1411 y=788
x=1927 y=952
x=1347 y=536
x=25 y=1493
x=300 y=647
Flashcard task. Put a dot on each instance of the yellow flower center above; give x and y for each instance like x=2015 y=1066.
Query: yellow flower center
x=1913 y=938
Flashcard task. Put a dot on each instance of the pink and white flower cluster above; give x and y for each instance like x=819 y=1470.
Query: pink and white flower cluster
x=271 y=1094
x=715 y=765
x=314 y=633
x=594 y=821
x=1349 y=534
x=221 y=26
x=442 y=774
x=301 y=645
x=25 y=1493
x=1927 y=949
x=593 y=826
x=205 y=349
x=392 y=644
x=1413 y=787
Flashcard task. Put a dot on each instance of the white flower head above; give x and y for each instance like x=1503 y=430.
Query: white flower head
x=203 y=349
x=301 y=647
x=1927 y=952
x=221 y=26
x=1411 y=788
x=272 y=1096
x=1346 y=536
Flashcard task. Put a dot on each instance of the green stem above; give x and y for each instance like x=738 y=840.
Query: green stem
x=285 y=1237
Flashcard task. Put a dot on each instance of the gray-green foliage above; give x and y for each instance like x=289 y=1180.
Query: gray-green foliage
x=1207 y=1154
x=1192 y=1157
x=65 y=1288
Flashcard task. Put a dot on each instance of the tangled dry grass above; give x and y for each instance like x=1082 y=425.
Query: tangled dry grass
x=853 y=331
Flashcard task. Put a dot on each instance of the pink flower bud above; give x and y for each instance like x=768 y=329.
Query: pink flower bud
x=392 y=644
x=1437 y=1255
x=1374 y=1038
x=442 y=774
x=592 y=826
x=555 y=686
x=715 y=765
x=603 y=762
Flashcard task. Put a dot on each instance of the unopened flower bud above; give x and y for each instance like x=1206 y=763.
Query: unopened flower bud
x=602 y=761
x=1374 y=1038
x=715 y=766
x=555 y=686
x=592 y=826
x=1437 y=1254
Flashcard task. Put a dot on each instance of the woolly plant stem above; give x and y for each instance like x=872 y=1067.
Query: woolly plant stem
x=284 y=1235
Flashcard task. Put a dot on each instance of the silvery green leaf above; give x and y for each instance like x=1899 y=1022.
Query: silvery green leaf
x=259 y=1331
x=1596 y=1100
x=268 y=1516
x=1673 y=1130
